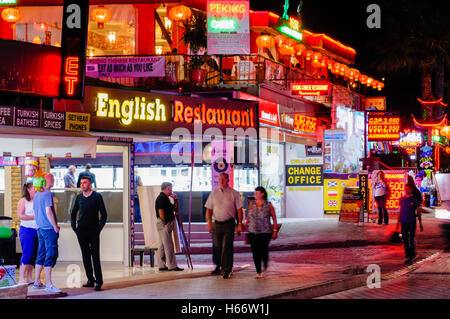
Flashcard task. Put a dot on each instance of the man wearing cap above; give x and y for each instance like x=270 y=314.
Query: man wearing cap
x=165 y=205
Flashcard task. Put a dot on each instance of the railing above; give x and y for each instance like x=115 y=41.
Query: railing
x=229 y=71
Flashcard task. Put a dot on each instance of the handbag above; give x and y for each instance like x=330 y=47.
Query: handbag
x=396 y=238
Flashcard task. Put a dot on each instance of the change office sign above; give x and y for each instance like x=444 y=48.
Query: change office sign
x=304 y=175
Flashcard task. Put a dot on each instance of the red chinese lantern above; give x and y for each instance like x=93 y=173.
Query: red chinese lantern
x=445 y=131
x=308 y=54
x=336 y=68
x=351 y=74
x=285 y=50
x=323 y=61
x=357 y=75
x=330 y=64
x=12 y=15
x=380 y=86
x=316 y=57
x=374 y=84
x=265 y=41
x=363 y=79
x=101 y=15
x=279 y=39
x=299 y=49
x=369 y=81
x=180 y=13
x=343 y=69
x=290 y=42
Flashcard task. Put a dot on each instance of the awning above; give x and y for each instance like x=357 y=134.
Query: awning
x=18 y=141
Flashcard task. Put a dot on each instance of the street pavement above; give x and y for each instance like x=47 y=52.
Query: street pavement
x=311 y=258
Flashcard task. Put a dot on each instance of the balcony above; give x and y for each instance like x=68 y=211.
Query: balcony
x=240 y=72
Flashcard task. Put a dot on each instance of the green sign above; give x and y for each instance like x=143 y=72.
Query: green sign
x=8 y=2
x=291 y=33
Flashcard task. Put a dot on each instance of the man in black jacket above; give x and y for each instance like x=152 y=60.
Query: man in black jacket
x=88 y=228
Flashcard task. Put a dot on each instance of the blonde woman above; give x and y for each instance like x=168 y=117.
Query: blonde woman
x=27 y=233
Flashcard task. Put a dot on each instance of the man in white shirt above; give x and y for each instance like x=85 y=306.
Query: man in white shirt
x=222 y=206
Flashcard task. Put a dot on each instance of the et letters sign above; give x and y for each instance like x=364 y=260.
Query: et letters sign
x=73 y=46
x=304 y=175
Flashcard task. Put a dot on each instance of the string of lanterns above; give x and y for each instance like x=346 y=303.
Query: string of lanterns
x=289 y=47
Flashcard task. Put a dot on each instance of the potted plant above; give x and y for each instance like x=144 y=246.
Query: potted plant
x=194 y=35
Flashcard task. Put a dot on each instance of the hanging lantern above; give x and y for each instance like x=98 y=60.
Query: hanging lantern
x=330 y=64
x=369 y=81
x=347 y=72
x=180 y=13
x=374 y=84
x=265 y=41
x=336 y=68
x=284 y=49
x=101 y=15
x=290 y=42
x=12 y=15
x=380 y=86
x=351 y=74
x=343 y=69
x=323 y=61
x=308 y=54
x=316 y=57
x=357 y=75
x=299 y=49
x=279 y=39
x=363 y=79
x=445 y=131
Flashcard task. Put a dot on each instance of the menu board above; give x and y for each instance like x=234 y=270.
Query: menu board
x=351 y=206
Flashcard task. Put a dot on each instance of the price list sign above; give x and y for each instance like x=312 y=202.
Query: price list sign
x=383 y=127
x=396 y=181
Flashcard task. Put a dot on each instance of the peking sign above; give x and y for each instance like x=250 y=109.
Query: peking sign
x=228 y=26
x=73 y=46
x=310 y=88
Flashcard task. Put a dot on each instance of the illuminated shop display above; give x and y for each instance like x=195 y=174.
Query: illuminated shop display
x=396 y=181
x=309 y=88
x=410 y=138
x=383 y=127
x=228 y=30
x=305 y=123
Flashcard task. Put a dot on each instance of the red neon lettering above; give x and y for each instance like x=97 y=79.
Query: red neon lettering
x=71 y=68
x=178 y=111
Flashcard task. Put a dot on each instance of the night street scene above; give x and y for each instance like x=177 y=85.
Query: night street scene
x=222 y=158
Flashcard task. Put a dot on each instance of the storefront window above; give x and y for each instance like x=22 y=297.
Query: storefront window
x=42 y=25
x=161 y=44
x=272 y=173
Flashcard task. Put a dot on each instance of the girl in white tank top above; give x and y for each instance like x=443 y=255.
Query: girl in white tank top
x=29 y=212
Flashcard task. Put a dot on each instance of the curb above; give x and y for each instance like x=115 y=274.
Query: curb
x=356 y=281
x=294 y=246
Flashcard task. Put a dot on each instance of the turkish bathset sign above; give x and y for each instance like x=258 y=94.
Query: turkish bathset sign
x=228 y=27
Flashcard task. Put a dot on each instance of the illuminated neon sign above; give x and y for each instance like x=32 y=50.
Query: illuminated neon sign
x=71 y=71
x=212 y=116
x=126 y=111
x=310 y=89
x=305 y=123
x=410 y=138
x=291 y=33
x=383 y=128
x=294 y=24
x=396 y=182
x=223 y=25
x=234 y=8
x=7 y=2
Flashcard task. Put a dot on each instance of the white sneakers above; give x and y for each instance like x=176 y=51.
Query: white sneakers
x=52 y=289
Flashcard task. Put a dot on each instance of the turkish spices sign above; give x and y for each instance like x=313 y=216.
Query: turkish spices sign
x=383 y=127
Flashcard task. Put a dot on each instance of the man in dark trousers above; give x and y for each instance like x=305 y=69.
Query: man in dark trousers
x=88 y=228
x=88 y=173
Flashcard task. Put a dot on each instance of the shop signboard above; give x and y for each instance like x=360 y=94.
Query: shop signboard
x=314 y=151
x=363 y=188
x=304 y=175
x=332 y=194
x=383 y=126
x=53 y=120
x=396 y=181
x=6 y=115
x=351 y=206
x=137 y=111
x=228 y=26
x=77 y=121
x=73 y=46
x=30 y=118
x=311 y=88
x=134 y=67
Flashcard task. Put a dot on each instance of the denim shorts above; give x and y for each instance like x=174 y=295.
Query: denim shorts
x=29 y=242
x=48 y=247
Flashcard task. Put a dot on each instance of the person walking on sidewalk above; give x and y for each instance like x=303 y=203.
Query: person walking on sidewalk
x=87 y=228
x=409 y=205
x=27 y=233
x=165 y=205
x=48 y=233
x=260 y=230
x=222 y=205
x=380 y=192
x=70 y=188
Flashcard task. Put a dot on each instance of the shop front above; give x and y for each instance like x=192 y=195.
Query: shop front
x=170 y=140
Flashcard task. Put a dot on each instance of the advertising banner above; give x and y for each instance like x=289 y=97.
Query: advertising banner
x=332 y=194
x=221 y=161
x=152 y=66
x=396 y=181
x=351 y=206
x=383 y=127
x=228 y=25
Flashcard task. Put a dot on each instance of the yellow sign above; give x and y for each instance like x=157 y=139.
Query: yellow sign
x=332 y=194
x=77 y=121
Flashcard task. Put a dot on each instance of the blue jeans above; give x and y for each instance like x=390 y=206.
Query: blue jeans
x=382 y=211
x=409 y=241
x=48 y=247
